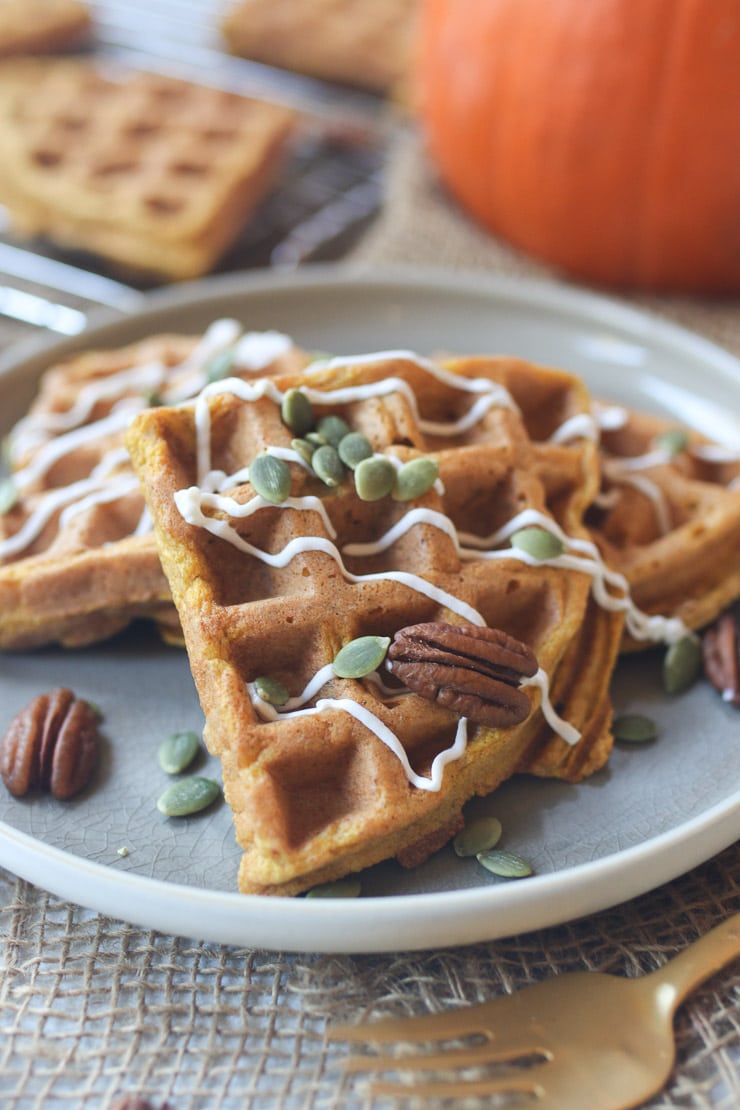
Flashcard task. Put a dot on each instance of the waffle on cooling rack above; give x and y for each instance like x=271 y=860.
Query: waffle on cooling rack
x=156 y=175
x=77 y=557
x=668 y=516
x=42 y=26
x=271 y=592
x=350 y=41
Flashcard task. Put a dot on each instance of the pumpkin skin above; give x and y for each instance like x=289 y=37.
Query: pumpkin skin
x=602 y=136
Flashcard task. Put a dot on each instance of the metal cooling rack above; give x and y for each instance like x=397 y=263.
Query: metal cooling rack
x=330 y=189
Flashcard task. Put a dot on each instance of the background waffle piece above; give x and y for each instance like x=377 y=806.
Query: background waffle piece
x=668 y=516
x=42 y=26
x=349 y=41
x=316 y=796
x=78 y=560
x=156 y=175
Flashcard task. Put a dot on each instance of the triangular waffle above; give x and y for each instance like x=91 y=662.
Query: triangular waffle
x=668 y=516
x=157 y=175
x=276 y=592
x=77 y=556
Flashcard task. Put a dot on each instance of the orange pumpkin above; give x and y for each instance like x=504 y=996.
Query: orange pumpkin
x=602 y=136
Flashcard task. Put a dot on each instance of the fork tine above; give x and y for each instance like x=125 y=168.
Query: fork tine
x=519 y=1085
x=488 y=1053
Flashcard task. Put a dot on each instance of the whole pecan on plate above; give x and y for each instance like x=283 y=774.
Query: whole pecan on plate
x=471 y=670
x=50 y=745
x=721 y=650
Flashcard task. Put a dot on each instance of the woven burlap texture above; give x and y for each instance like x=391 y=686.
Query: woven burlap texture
x=92 y=1009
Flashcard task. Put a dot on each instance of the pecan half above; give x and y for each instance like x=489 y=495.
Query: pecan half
x=471 y=670
x=51 y=744
x=721 y=649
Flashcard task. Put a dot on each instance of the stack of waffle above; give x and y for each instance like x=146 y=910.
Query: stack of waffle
x=345 y=769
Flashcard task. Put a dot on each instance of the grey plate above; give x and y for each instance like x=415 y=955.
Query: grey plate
x=653 y=813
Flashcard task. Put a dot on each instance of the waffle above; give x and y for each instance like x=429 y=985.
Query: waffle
x=158 y=176
x=77 y=558
x=669 y=521
x=319 y=794
x=348 y=41
x=42 y=26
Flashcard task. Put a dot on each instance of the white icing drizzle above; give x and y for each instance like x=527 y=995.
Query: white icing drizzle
x=715 y=452
x=191 y=377
x=581 y=426
x=469 y=546
x=114 y=490
x=492 y=395
x=53 y=500
x=57 y=448
x=37 y=427
x=370 y=721
x=256 y=350
x=609 y=417
x=615 y=466
x=563 y=728
x=587 y=559
x=145 y=525
x=190 y=501
x=644 y=486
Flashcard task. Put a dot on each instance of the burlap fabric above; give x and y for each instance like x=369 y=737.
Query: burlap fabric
x=92 y=1009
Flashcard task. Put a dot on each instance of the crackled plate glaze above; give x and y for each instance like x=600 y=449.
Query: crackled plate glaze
x=653 y=813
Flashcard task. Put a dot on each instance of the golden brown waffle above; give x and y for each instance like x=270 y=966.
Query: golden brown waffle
x=349 y=41
x=668 y=517
x=90 y=564
x=42 y=26
x=316 y=796
x=156 y=175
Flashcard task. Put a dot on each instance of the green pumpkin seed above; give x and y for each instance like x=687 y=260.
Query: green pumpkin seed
x=270 y=690
x=682 y=664
x=178 y=751
x=316 y=439
x=297 y=412
x=270 y=478
x=8 y=495
x=219 y=366
x=353 y=448
x=537 y=542
x=673 y=441
x=478 y=836
x=374 y=478
x=328 y=466
x=361 y=656
x=333 y=428
x=343 y=888
x=507 y=865
x=633 y=728
x=304 y=448
x=415 y=478
x=187 y=796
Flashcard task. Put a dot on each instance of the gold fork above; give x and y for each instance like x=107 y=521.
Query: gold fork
x=579 y=1041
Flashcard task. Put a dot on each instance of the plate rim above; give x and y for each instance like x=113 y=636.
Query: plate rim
x=488 y=912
